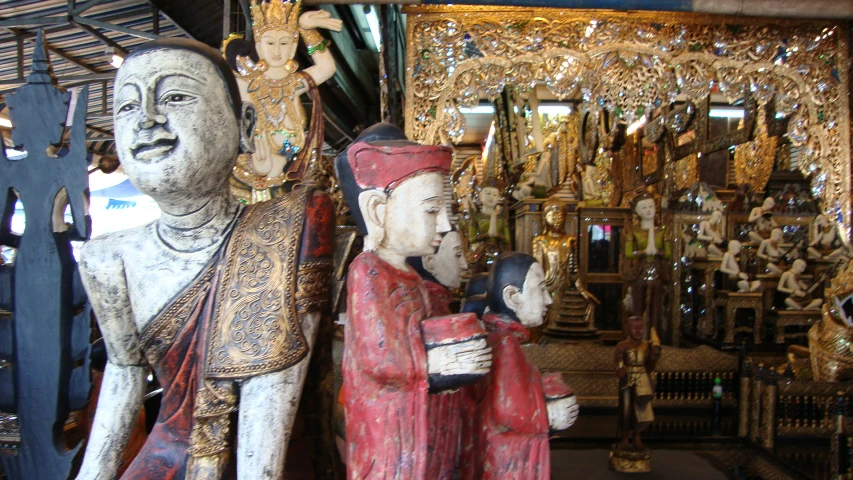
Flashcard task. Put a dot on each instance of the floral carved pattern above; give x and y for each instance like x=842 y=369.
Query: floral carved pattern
x=631 y=64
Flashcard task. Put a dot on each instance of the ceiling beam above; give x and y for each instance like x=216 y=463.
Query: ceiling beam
x=22 y=34
x=107 y=41
x=100 y=130
x=172 y=20
x=33 y=21
x=70 y=26
x=65 y=81
x=114 y=27
x=78 y=9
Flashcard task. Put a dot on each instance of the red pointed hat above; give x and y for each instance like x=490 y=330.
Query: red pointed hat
x=384 y=164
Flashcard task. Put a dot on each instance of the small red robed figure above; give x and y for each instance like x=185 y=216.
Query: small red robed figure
x=519 y=406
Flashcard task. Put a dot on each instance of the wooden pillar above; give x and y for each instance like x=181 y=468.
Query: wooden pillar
x=743 y=401
x=768 y=412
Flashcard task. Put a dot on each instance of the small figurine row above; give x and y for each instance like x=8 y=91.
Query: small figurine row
x=425 y=389
x=791 y=293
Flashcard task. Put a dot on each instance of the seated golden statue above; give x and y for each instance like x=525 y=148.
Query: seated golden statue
x=553 y=249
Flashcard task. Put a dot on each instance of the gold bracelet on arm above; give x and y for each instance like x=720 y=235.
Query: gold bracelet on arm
x=314 y=41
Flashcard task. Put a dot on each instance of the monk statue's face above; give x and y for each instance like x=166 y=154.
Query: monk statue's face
x=175 y=128
x=414 y=216
x=448 y=264
x=530 y=303
x=276 y=47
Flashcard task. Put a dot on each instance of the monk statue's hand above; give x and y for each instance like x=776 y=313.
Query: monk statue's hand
x=562 y=412
x=471 y=357
x=319 y=19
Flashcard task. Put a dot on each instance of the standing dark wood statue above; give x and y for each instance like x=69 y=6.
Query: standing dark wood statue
x=48 y=338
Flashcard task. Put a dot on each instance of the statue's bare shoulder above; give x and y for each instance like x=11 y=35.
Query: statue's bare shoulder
x=105 y=255
x=102 y=269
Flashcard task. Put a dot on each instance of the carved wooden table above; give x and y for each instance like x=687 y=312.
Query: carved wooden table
x=768 y=286
x=795 y=318
x=734 y=301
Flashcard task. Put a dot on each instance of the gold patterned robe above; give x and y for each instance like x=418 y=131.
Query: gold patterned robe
x=238 y=319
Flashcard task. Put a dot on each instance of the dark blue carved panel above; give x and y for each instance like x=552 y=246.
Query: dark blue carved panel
x=49 y=329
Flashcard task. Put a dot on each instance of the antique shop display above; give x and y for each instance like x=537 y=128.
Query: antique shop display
x=273 y=84
x=519 y=405
x=792 y=293
x=539 y=180
x=46 y=340
x=647 y=245
x=176 y=294
x=395 y=354
x=635 y=359
x=634 y=63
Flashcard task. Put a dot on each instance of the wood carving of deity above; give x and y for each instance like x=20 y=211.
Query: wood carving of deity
x=274 y=84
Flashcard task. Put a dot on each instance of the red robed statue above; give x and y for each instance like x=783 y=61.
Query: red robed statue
x=395 y=354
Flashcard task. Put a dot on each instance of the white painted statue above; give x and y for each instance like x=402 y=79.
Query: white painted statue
x=710 y=231
x=771 y=251
x=592 y=193
x=826 y=243
x=729 y=266
x=540 y=176
x=448 y=263
x=762 y=217
x=179 y=126
x=795 y=290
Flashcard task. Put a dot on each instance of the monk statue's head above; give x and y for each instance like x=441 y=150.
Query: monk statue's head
x=395 y=189
x=179 y=120
x=446 y=265
x=516 y=288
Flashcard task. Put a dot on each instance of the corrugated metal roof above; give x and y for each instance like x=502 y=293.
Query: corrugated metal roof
x=75 y=53
x=77 y=36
